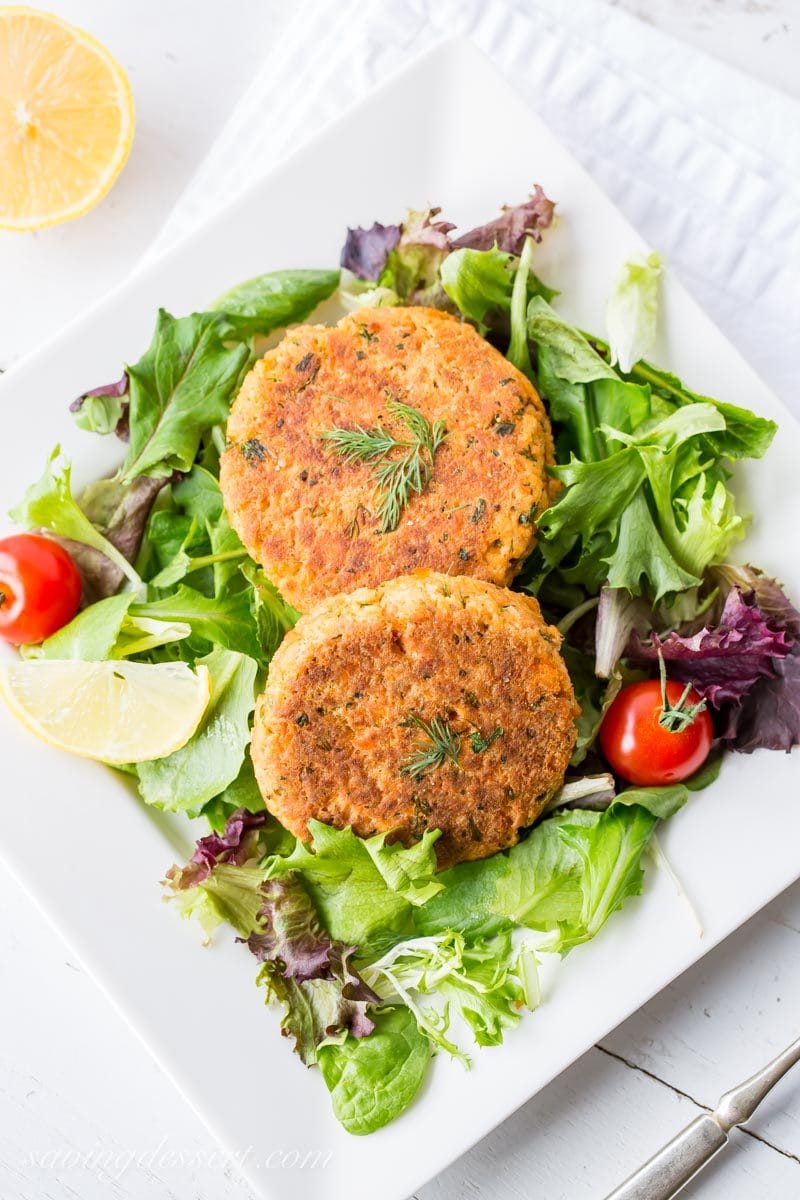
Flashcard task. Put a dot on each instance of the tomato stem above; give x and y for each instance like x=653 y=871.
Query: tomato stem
x=676 y=717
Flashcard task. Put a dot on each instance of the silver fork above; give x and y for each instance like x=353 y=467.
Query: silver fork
x=674 y=1165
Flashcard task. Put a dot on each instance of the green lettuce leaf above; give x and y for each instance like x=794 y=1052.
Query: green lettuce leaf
x=566 y=877
x=745 y=435
x=179 y=389
x=242 y=793
x=479 y=282
x=91 y=635
x=374 y=1079
x=536 y=884
x=141 y=635
x=274 y=300
x=323 y=996
x=518 y=352
x=632 y=311
x=212 y=759
x=199 y=495
x=696 y=512
x=640 y=561
x=609 y=847
x=49 y=504
x=364 y=889
x=658 y=550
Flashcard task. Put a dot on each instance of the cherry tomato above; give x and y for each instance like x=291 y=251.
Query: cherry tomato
x=651 y=744
x=40 y=588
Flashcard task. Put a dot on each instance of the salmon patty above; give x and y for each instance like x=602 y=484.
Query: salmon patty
x=315 y=517
x=426 y=703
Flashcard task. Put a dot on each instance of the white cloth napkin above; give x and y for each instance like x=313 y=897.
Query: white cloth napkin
x=703 y=160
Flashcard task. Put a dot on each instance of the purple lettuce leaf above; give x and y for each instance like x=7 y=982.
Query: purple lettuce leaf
x=120 y=513
x=309 y=972
x=322 y=1009
x=302 y=967
x=237 y=844
x=747 y=663
x=412 y=268
x=291 y=933
x=509 y=230
x=105 y=417
x=769 y=716
x=365 y=251
x=723 y=662
x=769 y=595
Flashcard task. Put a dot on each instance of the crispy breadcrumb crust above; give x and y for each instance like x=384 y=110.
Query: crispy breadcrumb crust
x=309 y=517
x=333 y=738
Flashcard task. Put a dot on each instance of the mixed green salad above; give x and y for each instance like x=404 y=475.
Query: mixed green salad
x=377 y=960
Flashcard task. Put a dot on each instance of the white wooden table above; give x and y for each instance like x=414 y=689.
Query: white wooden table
x=84 y=1112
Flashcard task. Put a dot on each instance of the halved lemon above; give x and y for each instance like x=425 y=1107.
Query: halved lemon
x=117 y=712
x=66 y=119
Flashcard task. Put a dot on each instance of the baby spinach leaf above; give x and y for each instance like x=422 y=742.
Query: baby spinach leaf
x=274 y=300
x=179 y=388
x=212 y=759
x=224 y=621
x=572 y=358
x=373 y=1079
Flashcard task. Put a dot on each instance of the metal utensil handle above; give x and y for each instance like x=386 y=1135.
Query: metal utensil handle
x=675 y=1164
x=739 y=1104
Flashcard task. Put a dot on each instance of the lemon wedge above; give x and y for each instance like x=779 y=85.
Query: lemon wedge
x=66 y=119
x=117 y=712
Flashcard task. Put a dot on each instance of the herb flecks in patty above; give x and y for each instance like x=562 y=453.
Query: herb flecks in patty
x=253 y=451
x=480 y=743
x=396 y=479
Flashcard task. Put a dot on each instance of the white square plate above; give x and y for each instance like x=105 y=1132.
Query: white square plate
x=448 y=132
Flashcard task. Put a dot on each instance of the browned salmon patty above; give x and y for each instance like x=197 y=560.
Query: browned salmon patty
x=312 y=519
x=342 y=732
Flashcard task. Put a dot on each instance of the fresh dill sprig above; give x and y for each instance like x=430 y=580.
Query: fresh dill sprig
x=445 y=745
x=397 y=479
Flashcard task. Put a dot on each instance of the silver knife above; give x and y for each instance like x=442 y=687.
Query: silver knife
x=672 y=1167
